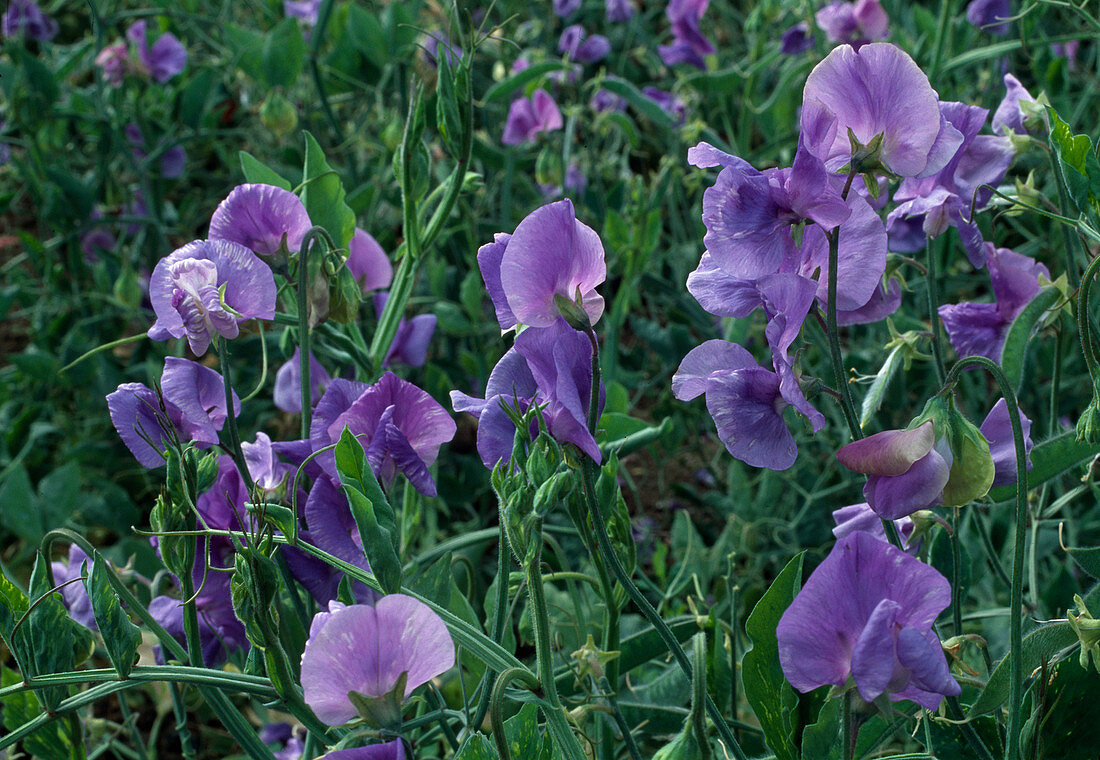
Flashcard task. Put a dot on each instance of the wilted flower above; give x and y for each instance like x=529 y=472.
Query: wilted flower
x=164 y=59
x=550 y=254
x=856 y=23
x=866 y=613
x=194 y=410
x=259 y=217
x=990 y=15
x=380 y=653
x=24 y=17
x=529 y=117
x=876 y=90
x=205 y=289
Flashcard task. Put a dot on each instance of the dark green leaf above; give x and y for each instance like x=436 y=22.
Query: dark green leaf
x=1077 y=163
x=324 y=197
x=766 y=689
x=524 y=740
x=1049 y=459
x=1023 y=327
x=120 y=636
x=366 y=34
x=284 y=54
x=249 y=46
x=502 y=90
x=1039 y=645
x=476 y=747
x=51 y=741
x=194 y=100
x=644 y=105
x=58 y=643
x=1087 y=558
x=258 y=173
x=819 y=739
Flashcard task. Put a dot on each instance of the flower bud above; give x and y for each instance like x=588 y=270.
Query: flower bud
x=279 y=115
x=1087 y=629
x=972 y=469
x=1088 y=425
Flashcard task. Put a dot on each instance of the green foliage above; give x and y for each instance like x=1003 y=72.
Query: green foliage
x=121 y=637
x=324 y=197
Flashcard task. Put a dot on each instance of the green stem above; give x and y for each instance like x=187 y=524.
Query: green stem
x=496 y=714
x=956 y=573
x=620 y=720
x=500 y=610
x=933 y=310
x=187 y=749
x=306 y=389
x=540 y=619
x=1016 y=663
x=846 y=726
x=699 y=694
x=1084 y=325
x=231 y=423
x=941 y=38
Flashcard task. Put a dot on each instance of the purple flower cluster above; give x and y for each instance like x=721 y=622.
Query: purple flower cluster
x=855 y=23
x=25 y=18
x=689 y=45
x=160 y=61
x=529 y=117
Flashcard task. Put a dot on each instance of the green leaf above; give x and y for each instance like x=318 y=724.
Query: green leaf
x=1050 y=459
x=1070 y=731
x=476 y=747
x=121 y=637
x=502 y=90
x=524 y=740
x=19 y=510
x=249 y=46
x=1039 y=645
x=644 y=105
x=284 y=54
x=324 y=197
x=873 y=400
x=374 y=517
x=1022 y=329
x=1087 y=558
x=51 y=741
x=259 y=173
x=58 y=643
x=767 y=690
x=624 y=434
x=13 y=603
x=1077 y=163
x=194 y=99
x=366 y=34
x=819 y=739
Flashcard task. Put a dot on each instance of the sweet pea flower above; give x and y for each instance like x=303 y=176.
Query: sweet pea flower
x=259 y=217
x=670 y=103
x=990 y=15
x=368 y=262
x=745 y=401
x=861 y=518
x=856 y=23
x=433 y=42
x=288 y=382
x=332 y=528
x=876 y=90
x=207 y=288
x=1068 y=50
x=689 y=45
x=997 y=429
x=410 y=342
x=529 y=117
x=400 y=426
x=164 y=59
x=981 y=328
x=74 y=593
x=618 y=11
x=579 y=47
x=1009 y=118
x=605 y=100
x=220 y=632
x=550 y=254
x=194 y=410
x=24 y=17
x=796 y=40
x=172 y=160
x=866 y=613
x=115 y=62
x=372 y=651
x=304 y=10
x=564 y=8
x=906 y=469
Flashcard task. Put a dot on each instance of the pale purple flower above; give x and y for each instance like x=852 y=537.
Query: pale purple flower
x=861 y=257
x=550 y=254
x=368 y=262
x=580 y=47
x=907 y=469
x=75 y=594
x=689 y=45
x=981 y=328
x=332 y=529
x=303 y=10
x=618 y=11
x=394 y=750
x=220 y=632
x=1009 y=117
x=259 y=217
x=194 y=410
x=24 y=17
x=115 y=62
x=877 y=89
x=1067 y=50
x=400 y=427
x=263 y=464
x=529 y=117
x=564 y=8
x=856 y=22
x=796 y=40
x=861 y=518
x=410 y=342
x=282 y=733
x=366 y=649
x=96 y=239
x=205 y=289
x=172 y=161
x=990 y=15
x=997 y=429
x=866 y=614
x=288 y=382
x=431 y=44
x=670 y=103
x=605 y=100
x=164 y=59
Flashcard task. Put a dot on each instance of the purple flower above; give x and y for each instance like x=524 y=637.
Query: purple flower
x=366 y=650
x=528 y=117
x=368 y=262
x=172 y=160
x=332 y=529
x=550 y=254
x=861 y=262
x=866 y=613
x=431 y=44
x=605 y=100
x=303 y=10
x=288 y=382
x=394 y=750
x=1067 y=50
x=981 y=328
x=194 y=410
x=400 y=426
x=577 y=47
x=906 y=469
x=97 y=239
x=75 y=594
x=166 y=58
x=618 y=11
x=259 y=217
x=745 y=401
x=875 y=90
x=670 y=103
x=263 y=465
x=24 y=17
x=115 y=62
x=688 y=43
x=220 y=632
x=1009 y=116
x=857 y=23
x=282 y=733
x=990 y=15
x=563 y=8
x=997 y=429
x=861 y=518
x=796 y=40
x=207 y=288
x=410 y=342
